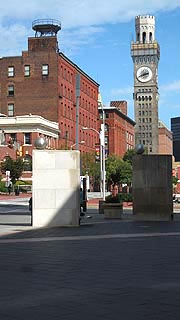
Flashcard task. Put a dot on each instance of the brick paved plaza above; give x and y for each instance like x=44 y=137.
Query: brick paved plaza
x=110 y=270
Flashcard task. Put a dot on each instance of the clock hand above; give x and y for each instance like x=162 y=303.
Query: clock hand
x=144 y=74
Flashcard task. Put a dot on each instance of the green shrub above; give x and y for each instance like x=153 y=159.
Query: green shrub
x=119 y=197
x=3 y=187
x=114 y=199
x=20 y=183
x=127 y=197
x=23 y=186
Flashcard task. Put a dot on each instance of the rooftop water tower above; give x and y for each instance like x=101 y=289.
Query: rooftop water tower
x=46 y=27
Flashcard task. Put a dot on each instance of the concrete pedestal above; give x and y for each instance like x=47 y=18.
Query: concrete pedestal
x=152 y=187
x=56 y=188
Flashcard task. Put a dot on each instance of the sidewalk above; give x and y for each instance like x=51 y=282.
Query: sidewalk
x=104 y=269
x=6 y=196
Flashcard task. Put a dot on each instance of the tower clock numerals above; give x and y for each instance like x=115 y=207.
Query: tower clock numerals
x=144 y=74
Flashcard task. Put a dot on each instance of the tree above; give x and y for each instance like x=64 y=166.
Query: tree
x=174 y=180
x=118 y=171
x=129 y=155
x=14 y=166
x=112 y=172
x=90 y=166
x=174 y=183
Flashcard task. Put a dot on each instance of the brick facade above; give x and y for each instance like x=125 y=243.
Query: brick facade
x=44 y=83
x=119 y=129
x=52 y=95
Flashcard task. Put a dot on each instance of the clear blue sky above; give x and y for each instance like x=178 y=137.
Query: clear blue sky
x=96 y=35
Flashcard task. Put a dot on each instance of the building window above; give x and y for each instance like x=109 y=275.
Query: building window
x=27 y=138
x=10 y=71
x=27 y=71
x=27 y=162
x=11 y=110
x=11 y=90
x=45 y=69
x=13 y=137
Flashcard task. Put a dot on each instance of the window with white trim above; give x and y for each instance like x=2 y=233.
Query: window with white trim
x=27 y=138
x=13 y=137
x=45 y=69
x=11 y=90
x=26 y=70
x=11 y=71
x=10 y=109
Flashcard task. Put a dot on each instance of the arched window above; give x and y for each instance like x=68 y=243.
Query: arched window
x=144 y=37
x=150 y=36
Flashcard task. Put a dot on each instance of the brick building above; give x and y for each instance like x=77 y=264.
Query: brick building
x=119 y=128
x=45 y=82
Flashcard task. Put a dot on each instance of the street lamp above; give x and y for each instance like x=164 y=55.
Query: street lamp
x=102 y=156
x=103 y=152
x=81 y=142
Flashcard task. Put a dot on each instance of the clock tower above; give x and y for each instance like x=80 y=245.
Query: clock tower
x=145 y=52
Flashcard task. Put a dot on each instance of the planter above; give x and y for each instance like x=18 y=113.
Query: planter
x=113 y=210
x=101 y=206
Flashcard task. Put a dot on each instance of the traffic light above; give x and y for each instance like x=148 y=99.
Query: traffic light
x=19 y=152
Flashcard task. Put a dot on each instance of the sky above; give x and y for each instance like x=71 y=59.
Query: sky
x=96 y=35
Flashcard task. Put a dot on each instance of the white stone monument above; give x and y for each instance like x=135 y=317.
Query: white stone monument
x=56 y=185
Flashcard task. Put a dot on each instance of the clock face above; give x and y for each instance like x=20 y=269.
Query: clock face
x=144 y=74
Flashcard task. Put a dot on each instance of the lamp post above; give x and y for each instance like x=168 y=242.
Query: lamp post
x=73 y=145
x=103 y=153
x=102 y=156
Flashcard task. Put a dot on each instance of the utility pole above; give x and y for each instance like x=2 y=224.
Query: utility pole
x=77 y=109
